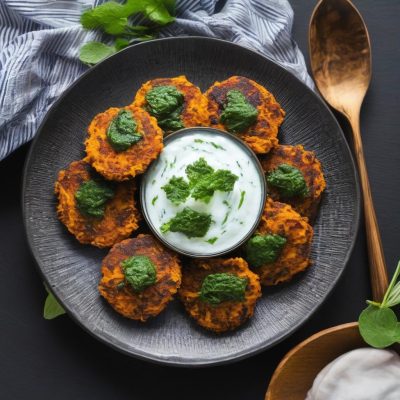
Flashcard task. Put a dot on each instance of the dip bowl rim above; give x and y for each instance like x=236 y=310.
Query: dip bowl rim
x=264 y=192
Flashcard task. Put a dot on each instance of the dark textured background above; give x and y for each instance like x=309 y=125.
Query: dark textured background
x=56 y=359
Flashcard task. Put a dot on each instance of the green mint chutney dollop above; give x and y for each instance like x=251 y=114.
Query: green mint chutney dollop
x=92 y=196
x=122 y=132
x=140 y=272
x=189 y=222
x=217 y=288
x=238 y=114
x=264 y=249
x=165 y=103
x=288 y=180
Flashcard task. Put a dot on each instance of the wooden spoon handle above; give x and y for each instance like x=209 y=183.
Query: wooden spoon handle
x=377 y=266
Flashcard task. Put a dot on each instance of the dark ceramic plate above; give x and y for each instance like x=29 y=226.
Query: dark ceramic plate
x=72 y=270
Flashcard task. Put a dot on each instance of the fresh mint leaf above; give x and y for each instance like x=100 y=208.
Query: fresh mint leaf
x=198 y=169
x=93 y=52
x=204 y=181
x=202 y=189
x=189 y=222
x=223 y=180
x=52 y=308
x=379 y=326
x=158 y=11
x=121 y=43
x=170 y=5
x=111 y=17
x=177 y=190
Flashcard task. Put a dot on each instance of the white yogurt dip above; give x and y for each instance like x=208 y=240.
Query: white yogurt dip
x=234 y=214
x=362 y=374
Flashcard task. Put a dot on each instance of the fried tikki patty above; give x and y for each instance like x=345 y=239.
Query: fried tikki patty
x=123 y=165
x=311 y=169
x=120 y=213
x=262 y=135
x=194 y=110
x=153 y=299
x=226 y=315
x=281 y=219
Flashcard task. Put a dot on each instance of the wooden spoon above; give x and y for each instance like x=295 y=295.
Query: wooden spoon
x=340 y=53
x=341 y=64
x=295 y=374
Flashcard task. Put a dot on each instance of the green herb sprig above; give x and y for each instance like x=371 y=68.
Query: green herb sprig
x=378 y=323
x=112 y=19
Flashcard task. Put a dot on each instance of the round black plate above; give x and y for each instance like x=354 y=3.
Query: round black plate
x=72 y=270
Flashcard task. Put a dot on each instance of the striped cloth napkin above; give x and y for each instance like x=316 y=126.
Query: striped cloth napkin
x=40 y=41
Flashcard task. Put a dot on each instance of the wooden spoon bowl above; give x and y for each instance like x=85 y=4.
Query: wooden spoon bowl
x=295 y=374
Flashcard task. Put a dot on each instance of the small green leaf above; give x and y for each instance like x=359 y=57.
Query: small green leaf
x=121 y=43
x=92 y=53
x=52 y=308
x=177 y=190
x=170 y=5
x=111 y=17
x=379 y=326
x=158 y=13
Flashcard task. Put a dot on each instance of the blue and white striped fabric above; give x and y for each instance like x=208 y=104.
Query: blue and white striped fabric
x=40 y=41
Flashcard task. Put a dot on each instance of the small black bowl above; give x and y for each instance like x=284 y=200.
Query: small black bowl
x=145 y=181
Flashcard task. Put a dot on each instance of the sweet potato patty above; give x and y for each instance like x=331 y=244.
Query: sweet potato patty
x=311 y=169
x=281 y=219
x=120 y=166
x=227 y=315
x=262 y=135
x=120 y=214
x=153 y=299
x=194 y=111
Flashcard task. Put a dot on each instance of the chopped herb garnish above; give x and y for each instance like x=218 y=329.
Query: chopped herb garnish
x=212 y=240
x=226 y=217
x=217 y=146
x=165 y=168
x=172 y=165
x=153 y=201
x=242 y=194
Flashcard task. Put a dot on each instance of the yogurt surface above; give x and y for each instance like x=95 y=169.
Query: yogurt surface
x=234 y=214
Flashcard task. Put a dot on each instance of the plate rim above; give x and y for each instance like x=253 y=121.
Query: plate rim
x=178 y=361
